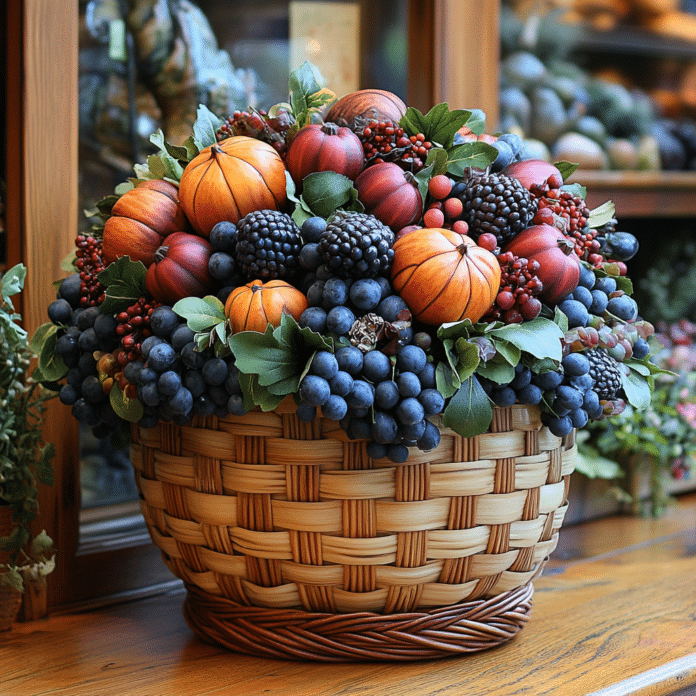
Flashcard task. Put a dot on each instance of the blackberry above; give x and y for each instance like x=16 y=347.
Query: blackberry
x=268 y=245
x=605 y=372
x=498 y=204
x=356 y=245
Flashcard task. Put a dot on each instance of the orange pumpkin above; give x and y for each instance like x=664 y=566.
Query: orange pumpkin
x=368 y=103
x=444 y=276
x=253 y=306
x=230 y=179
x=141 y=219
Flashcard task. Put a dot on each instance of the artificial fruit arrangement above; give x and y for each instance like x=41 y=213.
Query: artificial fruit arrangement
x=397 y=272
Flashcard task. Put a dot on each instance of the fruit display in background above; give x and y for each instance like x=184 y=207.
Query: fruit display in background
x=140 y=220
x=255 y=305
x=448 y=278
x=226 y=181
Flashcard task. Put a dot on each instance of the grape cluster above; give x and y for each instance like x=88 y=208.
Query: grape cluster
x=386 y=141
x=89 y=263
x=374 y=397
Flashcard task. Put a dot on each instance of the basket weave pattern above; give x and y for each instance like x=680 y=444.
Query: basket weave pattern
x=266 y=511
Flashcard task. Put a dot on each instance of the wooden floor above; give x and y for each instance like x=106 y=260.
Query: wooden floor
x=614 y=614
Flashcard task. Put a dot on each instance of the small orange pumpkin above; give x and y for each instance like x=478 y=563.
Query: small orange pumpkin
x=368 y=103
x=444 y=276
x=141 y=219
x=230 y=179
x=253 y=306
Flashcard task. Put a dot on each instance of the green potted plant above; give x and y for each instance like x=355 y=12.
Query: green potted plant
x=25 y=461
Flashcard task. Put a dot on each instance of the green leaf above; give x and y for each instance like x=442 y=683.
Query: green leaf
x=303 y=82
x=446 y=380
x=602 y=214
x=637 y=389
x=437 y=157
x=256 y=395
x=201 y=314
x=575 y=190
x=497 y=371
x=324 y=192
x=566 y=168
x=508 y=351
x=51 y=365
x=41 y=335
x=13 y=578
x=476 y=122
x=13 y=281
x=439 y=125
x=205 y=127
x=474 y=154
x=469 y=411
x=539 y=337
x=130 y=410
x=124 y=281
x=467 y=358
x=68 y=263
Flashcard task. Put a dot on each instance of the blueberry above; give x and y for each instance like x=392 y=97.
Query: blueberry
x=68 y=394
x=575 y=365
x=606 y=284
x=579 y=417
x=362 y=396
x=146 y=375
x=70 y=290
x=513 y=140
x=587 y=276
x=430 y=439
x=503 y=396
x=505 y=155
x=310 y=259
x=314 y=293
x=66 y=346
x=334 y=294
x=397 y=453
x=359 y=428
x=432 y=400
x=583 y=295
x=624 y=307
x=384 y=287
x=203 y=405
x=530 y=395
x=390 y=307
x=314 y=390
x=223 y=236
x=592 y=406
x=324 y=364
x=412 y=431
x=105 y=326
x=181 y=336
x=427 y=376
x=182 y=402
x=314 y=318
x=385 y=429
x=350 y=359
x=195 y=383
x=87 y=364
x=192 y=357
x=312 y=229
x=599 y=302
x=88 y=341
x=87 y=317
x=411 y=359
x=149 y=394
x=560 y=427
x=132 y=371
x=641 y=349
x=169 y=383
x=386 y=395
x=582 y=383
x=85 y=413
x=341 y=383
x=148 y=344
x=221 y=265
x=161 y=357
x=214 y=371
x=408 y=384
x=376 y=450
x=306 y=412
x=410 y=411
x=235 y=405
x=377 y=366
x=568 y=397
x=366 y=294
x=60 y=311
x=339 y=320
x=334 y=408
x=522 y=377
x=148 y=420
x=576 y=312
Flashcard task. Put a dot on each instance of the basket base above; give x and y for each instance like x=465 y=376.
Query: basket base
x=295 y=634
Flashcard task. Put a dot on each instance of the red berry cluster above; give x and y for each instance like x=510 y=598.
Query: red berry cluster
x=386 y=141
x=133 y=328
x=89 y=264
x=444 y=208
x=519 y=287
x=257 y=124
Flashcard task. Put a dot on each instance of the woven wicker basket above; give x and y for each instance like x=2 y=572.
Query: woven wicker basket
x=294 y=544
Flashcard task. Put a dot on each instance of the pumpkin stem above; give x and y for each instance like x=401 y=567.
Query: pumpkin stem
x=463 y=249
x=566 y=246
x=410 y=177
x=330 y=128
x=161 y=253
x=216 y=150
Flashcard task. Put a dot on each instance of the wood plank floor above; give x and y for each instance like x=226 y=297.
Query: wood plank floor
x=614 y=614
